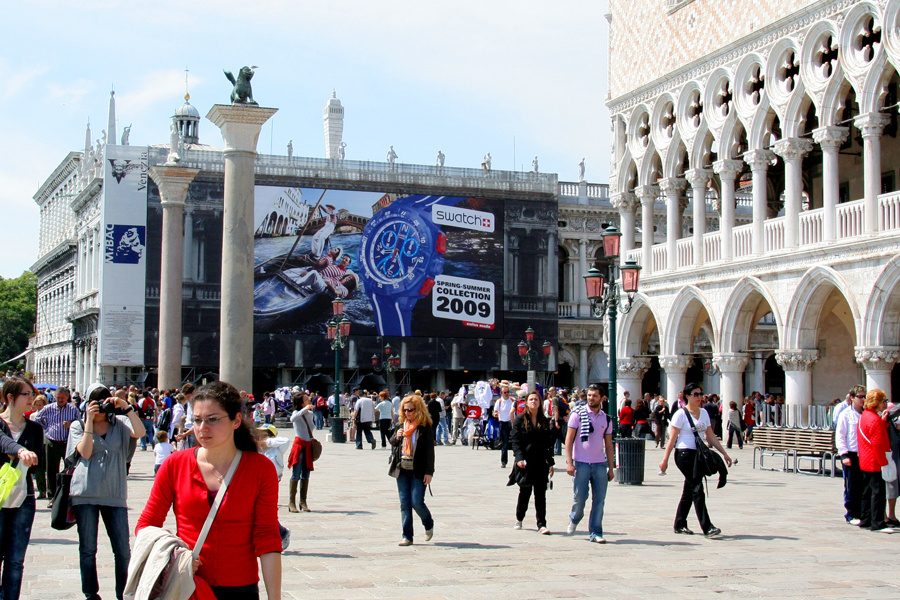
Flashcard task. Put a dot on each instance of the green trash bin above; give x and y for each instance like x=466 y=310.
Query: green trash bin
x=630 y=461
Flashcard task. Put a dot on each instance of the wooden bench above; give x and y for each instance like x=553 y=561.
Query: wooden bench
x=813 y=445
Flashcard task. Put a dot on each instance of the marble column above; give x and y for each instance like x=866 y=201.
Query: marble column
x=759 y=161
x=190 y=265
x=584 y=367
x=830 y=140
x=173 y=185
x=578 y=281
x=648 y=195
x=797 y=365
x=728 y=171
x=673 y=188
x=879 y=362
x=630 y=377
x=552 y=265
x=872 y=125
x=731 y=371
x=625 y=203
x=792 y=150
x=240 y=125
x=676 y=368
x=759 y=373
x=699 y=180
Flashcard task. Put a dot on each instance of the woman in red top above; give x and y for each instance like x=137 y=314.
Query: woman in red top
x=873 y=446
x=246 y=526
x=626 y=419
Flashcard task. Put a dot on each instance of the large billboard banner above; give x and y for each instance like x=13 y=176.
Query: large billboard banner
x=405 y=265
x=123 y=279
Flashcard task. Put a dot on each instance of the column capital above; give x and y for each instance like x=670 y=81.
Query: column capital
x=877 y=358
x=633 y=366
x=240 y=124
x=676 y=364
x=871 y=124
x=728 y=168
x=730 y=363
x=647 y=193
x=759 y=159
x=797 y=360
x=831 y=137
x=582 y=242
x=698 y=177
x=624 y=201
x=673 y=186
x=793 y=148
x=173 y=183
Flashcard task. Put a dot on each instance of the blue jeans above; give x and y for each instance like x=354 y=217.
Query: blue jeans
x=595 y=475
x=412 y=497
x=115 y=518
x=300 y=471
x=148 y=436
x=319 y=418
x=442 y=432
x=15 y=532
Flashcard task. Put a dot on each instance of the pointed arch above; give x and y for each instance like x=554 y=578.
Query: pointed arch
x=635 y=326
x=801 y=325
x=882 y=321
x=681 y=326
x=740 y=310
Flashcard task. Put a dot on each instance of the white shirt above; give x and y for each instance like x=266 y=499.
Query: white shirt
x=845 y=434
x=177 y=415
x=838 y=409
x=503 y=408
x=686 y=440
x=162 y=450
x=366 y=409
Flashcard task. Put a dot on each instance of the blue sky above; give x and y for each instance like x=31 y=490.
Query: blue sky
x=465 y=77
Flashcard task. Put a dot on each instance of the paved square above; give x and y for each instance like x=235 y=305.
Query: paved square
x=784 y=537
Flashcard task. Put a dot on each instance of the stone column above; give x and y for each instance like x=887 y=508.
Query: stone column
x=759 y=161
x=673 y=188
x=797 y=365
x=552 y=265
x=731 y=370
x=648 y=195
x=630 y=377
x=759 y=373
x=879 y=361
x=625 y=202
x=830 y=140
x=727 y=170
x=173 y=185
x=585 y=368
x=699 y=179
x=675 y=367
x=240 y=127
x=578 y=280
x=872 y=125
x=190 y=265
x=792 y=150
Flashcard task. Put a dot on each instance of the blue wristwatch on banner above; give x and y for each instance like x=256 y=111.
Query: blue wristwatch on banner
x=400 y=255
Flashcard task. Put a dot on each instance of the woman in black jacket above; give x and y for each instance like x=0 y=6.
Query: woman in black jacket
x=412 y=463
x=532 y=444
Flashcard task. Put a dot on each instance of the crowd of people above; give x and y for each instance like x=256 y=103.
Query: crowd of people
x=227 y=437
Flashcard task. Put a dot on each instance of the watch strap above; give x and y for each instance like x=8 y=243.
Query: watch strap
x=393 y=316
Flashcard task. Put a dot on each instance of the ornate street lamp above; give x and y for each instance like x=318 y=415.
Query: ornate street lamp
x=530 y=356
x=608 y=301
x=390 y=363
x=338 y=330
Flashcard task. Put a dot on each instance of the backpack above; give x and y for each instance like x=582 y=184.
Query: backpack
x=164 y=420
x=563 y=408
x=320 y=402
x=146 y=409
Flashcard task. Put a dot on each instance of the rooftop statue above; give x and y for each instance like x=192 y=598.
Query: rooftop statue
x=242 y=92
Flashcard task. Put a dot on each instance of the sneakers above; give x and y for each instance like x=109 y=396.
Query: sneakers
x=684 y=531
x=518 y=525
x=429 y=533
x=855 y=522
x=286 y=539
x=570 y=528
x=885 y=530
x=713 y=532
x=544 y=531
x=598 y=539
x=405 y=542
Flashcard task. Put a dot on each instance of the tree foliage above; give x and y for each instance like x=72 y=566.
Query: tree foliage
x=18 y=312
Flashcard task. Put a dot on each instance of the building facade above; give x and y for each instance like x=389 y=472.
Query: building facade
x=793 y=103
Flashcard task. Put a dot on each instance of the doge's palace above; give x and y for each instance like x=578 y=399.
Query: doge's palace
x=794 y=106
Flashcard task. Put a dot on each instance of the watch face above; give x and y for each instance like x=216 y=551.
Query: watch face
x=394 y=250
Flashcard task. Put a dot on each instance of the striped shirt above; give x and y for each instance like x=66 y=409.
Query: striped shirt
x=51 y=418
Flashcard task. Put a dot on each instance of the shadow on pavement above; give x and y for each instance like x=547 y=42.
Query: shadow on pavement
x=54 y=541
x=633 y=542
x=316 y=554
x=471 y=545
x=344 y=512
x=755 y=537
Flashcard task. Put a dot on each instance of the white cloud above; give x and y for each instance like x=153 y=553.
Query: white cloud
x=16 y=80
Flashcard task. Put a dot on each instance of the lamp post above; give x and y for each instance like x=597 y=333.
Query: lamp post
x=530 y=356
x=607 y=301
x=389 y=364
x=338 y=328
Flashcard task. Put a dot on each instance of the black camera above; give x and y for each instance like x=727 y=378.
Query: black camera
x=109 y=408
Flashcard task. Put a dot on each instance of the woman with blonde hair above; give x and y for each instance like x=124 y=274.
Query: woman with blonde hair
x=873 y=448
x=412 y=464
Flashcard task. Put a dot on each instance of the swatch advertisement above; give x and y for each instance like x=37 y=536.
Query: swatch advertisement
x=404 y=265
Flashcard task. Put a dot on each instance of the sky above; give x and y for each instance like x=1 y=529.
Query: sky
x=518 y=79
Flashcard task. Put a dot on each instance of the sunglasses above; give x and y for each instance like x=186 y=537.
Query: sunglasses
x=861 y=396
x=408 y=410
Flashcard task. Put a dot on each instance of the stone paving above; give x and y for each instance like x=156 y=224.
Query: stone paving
x=784 y=537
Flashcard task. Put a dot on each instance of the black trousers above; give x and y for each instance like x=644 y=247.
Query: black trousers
x=384 y=426
x=625 y=430
x=505 y=430
x=734 y=432
x=55 y=453
x=853 y=487
x=364 y=428
x=692 y=493
x=540 y=502
x=873 y=500
x=241 y=592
